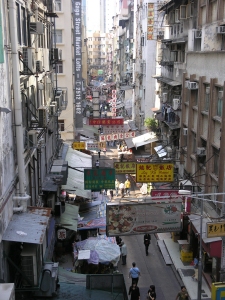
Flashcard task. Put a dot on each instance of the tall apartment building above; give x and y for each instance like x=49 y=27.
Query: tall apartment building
x=30 y=145
x=191 y=88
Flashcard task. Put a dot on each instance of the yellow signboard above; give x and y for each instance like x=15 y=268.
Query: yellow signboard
x=154 y=172
x=125 y=167
x=215 y=229
x=78 y=145
x=101 y=145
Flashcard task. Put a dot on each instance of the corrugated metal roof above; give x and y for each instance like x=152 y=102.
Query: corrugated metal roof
x=28 y=227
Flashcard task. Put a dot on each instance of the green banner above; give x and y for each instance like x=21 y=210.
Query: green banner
x=99 y=179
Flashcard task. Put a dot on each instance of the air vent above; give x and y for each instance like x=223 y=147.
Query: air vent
x=220 y=30
x=200 y=151
x=192 y=85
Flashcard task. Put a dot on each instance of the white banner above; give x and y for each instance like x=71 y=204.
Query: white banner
x=116 y=136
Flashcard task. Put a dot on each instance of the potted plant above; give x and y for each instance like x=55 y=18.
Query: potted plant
x=151 y=124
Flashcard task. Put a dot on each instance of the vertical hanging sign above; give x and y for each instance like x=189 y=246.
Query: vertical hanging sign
x=77 y=36
x=1 y=38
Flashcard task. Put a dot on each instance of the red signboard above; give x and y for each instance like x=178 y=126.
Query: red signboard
x=106 y=121
x=160 y=193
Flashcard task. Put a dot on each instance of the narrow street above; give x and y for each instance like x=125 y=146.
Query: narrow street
x=152 y=267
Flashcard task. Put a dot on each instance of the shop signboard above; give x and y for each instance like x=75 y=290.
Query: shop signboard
x=154 y=172
x=139 y=218
x=78 y=145
x=162 y=193
x=106 y=121
x=92 y=146
x=98 y=179
x=61 y=234
x=113 y=129
x=77 y=38
x=117 y=136
x=125 y=167
x=101 y=145
x=215 y=229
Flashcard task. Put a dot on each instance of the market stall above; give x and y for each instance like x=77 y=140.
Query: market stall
x=104 y=252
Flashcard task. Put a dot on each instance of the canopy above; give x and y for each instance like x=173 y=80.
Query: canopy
x=106 y=248
x=141 y=140
x=69 y=218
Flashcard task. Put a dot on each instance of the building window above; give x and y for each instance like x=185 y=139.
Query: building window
x=18 y=23
x=61 y=125
x=59 y=67
x=194 y=142
x=24 y=26
x=57 y=37
x=195 y=97
x=219 y=101
x=58 y=5
x=207 y=97
x=216 y=161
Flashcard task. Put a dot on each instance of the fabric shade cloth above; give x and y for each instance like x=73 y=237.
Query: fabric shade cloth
x=106 y=249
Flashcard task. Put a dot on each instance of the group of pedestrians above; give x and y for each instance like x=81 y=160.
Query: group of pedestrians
x=124 y=188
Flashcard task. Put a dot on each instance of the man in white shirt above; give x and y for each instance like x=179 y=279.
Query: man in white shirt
x=121 y=187
x=124 y=253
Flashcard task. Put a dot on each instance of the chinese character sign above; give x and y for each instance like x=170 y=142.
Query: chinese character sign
x=61 y=234
x=92 y=146
x=125 y=167
x=215 y=229
x=101 y=145
x=150 y=21
x=150 y=172
x=160 y=193
x=98 y=179
x=77 y=22
x=117 y=136
x=78 y=145
x=106 y=121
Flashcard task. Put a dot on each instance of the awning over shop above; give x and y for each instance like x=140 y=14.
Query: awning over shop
x=212 y=245
x=92 y=224
x=141 y=140
x=168 y=81
x=28 y=227
x=69 y=218
x=75 y=182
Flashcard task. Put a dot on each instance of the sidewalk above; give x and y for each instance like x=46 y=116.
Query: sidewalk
x=185 y=270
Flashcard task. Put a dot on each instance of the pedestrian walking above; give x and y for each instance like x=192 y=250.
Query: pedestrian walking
x=134 y=273
x=151 y=292
x=117 y=183
x=111 y=194
x=134 y=292
x=147 y=241
x=183 y=294
x=121 y=187
x=99 y=153
x=127 y=187
x=97 y=164
x=104 y=150
x=123 y=250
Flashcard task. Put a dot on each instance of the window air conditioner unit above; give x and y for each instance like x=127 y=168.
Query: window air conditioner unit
x=200 y=151
x=192 y=85
x=32 y=138
x=220 y=94
x=197 y=34
x=43 y=116
x=176 y=103
x=164 y=97
x=29 y=66
x=36 y=28
x=220 y=30
x=185 y=131
x=183 y=12
x=29 y=263
x=39 y=66
x=59 y=98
